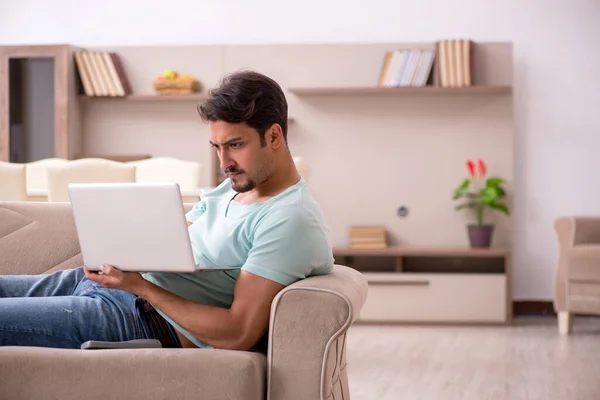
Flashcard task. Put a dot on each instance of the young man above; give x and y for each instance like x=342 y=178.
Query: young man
x=261 y=220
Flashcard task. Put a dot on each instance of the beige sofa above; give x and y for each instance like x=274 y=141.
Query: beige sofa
x=306 y=356
x=577 y=280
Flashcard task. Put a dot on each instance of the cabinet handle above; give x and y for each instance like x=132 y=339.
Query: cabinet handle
x=401 y=283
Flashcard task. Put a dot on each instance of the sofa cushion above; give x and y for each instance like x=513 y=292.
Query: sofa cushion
x=34 y=373
x=584 y=263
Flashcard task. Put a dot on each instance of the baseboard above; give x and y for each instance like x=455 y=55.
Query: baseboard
x=529 y=307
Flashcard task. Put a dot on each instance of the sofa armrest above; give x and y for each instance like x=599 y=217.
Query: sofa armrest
x=574 y=231
x=307 y=335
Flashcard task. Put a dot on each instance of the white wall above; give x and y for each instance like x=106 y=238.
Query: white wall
x=556 y=76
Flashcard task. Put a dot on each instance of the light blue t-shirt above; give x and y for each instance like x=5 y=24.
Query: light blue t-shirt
x=283 y=239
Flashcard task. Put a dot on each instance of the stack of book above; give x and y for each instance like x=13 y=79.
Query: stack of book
x=368 y=237
x=102 y=74
x=448 y=64
x=454 y=62
x=406 y=68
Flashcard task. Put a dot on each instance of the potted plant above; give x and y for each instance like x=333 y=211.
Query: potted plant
x=478 y=193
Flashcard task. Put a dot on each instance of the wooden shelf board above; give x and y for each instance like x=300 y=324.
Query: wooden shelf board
x=147 y=97
x=152 y=97
x=400 y=251
x=307 y=91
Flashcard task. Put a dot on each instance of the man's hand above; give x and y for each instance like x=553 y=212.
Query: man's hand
x=113 y=278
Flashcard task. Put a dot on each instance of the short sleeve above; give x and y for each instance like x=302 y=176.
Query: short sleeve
x=196 y=211
x=289 y=244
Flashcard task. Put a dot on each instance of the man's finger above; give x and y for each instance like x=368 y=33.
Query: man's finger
x=108 y=269
x=91 y=275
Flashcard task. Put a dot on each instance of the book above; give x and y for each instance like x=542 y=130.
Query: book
x=101 y=74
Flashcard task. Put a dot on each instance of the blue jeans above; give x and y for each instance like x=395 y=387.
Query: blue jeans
x=64 y=309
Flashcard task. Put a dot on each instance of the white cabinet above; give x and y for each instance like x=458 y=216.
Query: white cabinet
x=433 y=286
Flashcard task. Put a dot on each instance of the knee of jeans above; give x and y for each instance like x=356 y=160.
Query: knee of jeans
x=79 y=272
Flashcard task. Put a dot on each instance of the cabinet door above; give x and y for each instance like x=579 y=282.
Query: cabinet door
x=436 y=298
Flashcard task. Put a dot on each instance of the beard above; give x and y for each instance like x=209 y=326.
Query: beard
x=243 y=186
x=242 y=182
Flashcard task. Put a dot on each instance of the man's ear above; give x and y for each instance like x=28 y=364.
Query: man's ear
x=274 y=136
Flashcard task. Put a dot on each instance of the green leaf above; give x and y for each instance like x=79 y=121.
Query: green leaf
x=470 y=204
x=462 y=189
x=501 y=192
x=488 y=195
x=494 y=181
x=500 y=207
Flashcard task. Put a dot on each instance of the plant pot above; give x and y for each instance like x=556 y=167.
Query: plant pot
x=480 y=235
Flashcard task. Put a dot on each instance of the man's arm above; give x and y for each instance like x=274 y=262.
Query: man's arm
x=238 y=328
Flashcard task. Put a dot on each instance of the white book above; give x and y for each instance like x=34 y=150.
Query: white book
x=411 y=67
x=405 y=58
x=393 y=68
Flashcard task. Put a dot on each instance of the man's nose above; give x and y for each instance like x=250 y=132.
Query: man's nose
x=226 y=160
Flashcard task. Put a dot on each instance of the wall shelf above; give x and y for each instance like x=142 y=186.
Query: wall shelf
x=480 y=89
x=147 y=97
x=151 y=97
x=401 y=251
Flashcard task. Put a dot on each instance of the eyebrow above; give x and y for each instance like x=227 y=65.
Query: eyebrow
x=236 y=139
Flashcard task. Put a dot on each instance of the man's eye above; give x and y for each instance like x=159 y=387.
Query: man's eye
x=235 y=145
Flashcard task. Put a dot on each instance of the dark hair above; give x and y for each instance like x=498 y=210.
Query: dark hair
x=250 y=97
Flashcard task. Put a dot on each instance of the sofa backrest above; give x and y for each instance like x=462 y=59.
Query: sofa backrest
x=38 y=237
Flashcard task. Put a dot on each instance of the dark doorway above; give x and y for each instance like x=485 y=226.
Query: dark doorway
x=31 y=109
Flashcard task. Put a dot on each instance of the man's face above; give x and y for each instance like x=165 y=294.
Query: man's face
x=243 y=159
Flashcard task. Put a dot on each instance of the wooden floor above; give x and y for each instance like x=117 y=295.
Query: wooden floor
x=527 y=360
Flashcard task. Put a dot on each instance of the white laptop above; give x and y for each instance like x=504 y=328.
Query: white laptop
x=133 y=226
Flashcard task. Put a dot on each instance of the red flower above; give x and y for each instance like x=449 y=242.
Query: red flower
x=482 y=168
x=471 y=167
